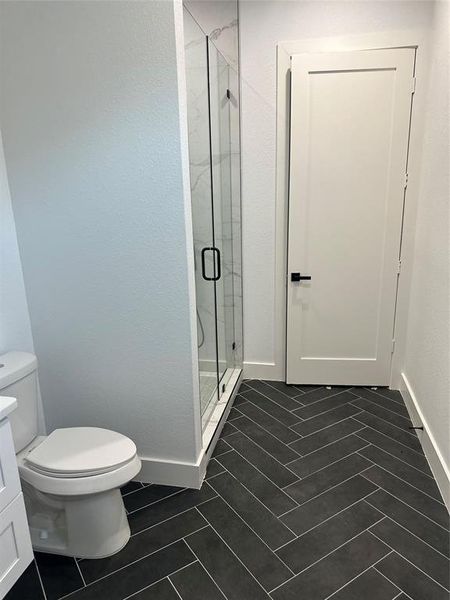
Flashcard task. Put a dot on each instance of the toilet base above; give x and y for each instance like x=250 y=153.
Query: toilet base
x=87 y=526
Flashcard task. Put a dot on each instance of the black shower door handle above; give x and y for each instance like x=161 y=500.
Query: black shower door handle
x=217 y=265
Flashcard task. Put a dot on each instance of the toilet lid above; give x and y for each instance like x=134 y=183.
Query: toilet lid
x=81 y=450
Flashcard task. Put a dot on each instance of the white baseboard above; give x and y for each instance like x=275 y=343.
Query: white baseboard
x=170 y=472
x=430 y=448
x=191 y=475
x=259 y=370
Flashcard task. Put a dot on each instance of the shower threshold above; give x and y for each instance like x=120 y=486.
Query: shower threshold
x=217 y=413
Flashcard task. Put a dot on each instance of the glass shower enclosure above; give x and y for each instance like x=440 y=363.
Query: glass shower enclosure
x=214 y=162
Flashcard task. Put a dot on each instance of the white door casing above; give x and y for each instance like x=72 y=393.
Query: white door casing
x=350 y=114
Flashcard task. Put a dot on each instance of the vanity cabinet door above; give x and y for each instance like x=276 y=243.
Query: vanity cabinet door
x=16 y=552
x=9 y=476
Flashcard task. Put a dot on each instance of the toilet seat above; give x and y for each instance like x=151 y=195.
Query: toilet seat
x=81 y=452
x=79 y=460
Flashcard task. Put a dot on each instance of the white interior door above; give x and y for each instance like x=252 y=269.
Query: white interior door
x=350 y=115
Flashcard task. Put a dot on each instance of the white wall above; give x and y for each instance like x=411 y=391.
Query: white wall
x=262 y=25
x=427 y=362
x=90 y=116
x=15 y=328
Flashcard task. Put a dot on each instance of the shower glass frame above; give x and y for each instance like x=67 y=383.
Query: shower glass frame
x=214 y=161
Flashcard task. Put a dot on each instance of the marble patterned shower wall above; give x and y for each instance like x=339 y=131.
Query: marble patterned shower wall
x=218 y=19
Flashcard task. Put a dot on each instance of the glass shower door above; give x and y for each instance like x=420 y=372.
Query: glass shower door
x=219 y=106
x=198 y=101
x=213 y=129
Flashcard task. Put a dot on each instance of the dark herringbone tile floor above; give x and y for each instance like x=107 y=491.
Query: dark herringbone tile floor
x=313 y=493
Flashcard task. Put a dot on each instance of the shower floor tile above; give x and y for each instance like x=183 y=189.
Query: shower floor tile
x=314 y=493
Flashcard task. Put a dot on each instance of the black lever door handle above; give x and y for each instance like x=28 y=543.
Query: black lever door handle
x=300 y=277
x=217 y=265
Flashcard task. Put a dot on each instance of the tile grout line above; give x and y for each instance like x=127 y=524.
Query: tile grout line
x=203 y=566
x=156 y=501
x=303 y=437
x=408 y=531
x=402 y=403
x=301 y=405
x=327 y=398
x=134 y=562
x=327 y=490
x=331 y=517
x=261 y=473
x=390 y=581
x=136 y=490
x=267 y=452
x=325 y=445
x=299 y=395
x=406 y=419
x=396 y=457
x=393 y=456
x=290 y=412
x=258 y=500
x=410 y=562
x=222 y=453
x=265 y=431
x=372 y=566
x=234 y=554
x=375 y=464
x=393 y=412
x=251 y=529
x=173 y=585
x=411 y=507
x=40 y=578
x=81 y=574
x=275 y=419
x=158 y=580
x=418 y=452
x=329 y=553
x=334 y=461
x=168 y=519
x=412 y=486
x=328 y=409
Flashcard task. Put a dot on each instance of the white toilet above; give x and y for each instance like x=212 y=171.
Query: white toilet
x=70 y=478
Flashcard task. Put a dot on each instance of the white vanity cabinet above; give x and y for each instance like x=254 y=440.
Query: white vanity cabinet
x=15 y=544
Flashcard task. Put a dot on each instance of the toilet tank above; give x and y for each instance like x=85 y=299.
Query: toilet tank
x=18 y=378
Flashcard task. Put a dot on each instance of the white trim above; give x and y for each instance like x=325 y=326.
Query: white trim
x=170 y=472
x=260 y=370
x=185 y=474
x=369 y=41
x=429 y=445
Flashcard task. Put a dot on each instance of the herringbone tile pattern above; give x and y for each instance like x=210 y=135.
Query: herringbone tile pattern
x=313 y=493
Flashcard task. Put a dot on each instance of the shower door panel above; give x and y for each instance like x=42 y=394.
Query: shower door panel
x=219 y=75
x=202 y=209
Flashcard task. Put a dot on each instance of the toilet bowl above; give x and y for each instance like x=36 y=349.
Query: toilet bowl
x=71 y=479
x=71 y=482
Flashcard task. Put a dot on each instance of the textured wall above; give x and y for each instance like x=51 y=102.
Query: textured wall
x=91 y=125
x=262 y=25
x=15 y=328
x=427 y=364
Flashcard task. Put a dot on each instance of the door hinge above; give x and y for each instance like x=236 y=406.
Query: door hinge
x=393 y=347
x=223 y=388
x=233 y=346
x=228 y=94
x=406 y=180
x=413 y=85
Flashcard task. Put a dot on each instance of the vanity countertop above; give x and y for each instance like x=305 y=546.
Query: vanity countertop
x=7 y=405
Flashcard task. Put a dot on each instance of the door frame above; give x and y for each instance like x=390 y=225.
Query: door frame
x=371 y=41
